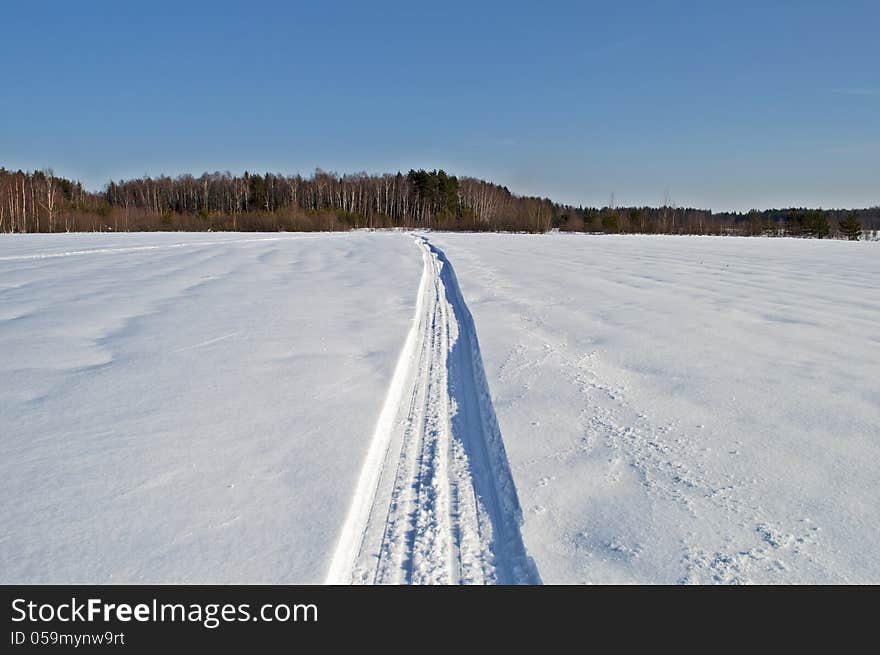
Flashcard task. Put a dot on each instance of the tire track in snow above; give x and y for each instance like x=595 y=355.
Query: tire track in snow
x=435 y=502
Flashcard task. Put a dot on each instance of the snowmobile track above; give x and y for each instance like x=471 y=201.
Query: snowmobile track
x=435 y=502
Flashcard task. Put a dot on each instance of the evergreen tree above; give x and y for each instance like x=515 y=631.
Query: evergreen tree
x=819 y=227
x=611 y=222
x=794 y=223
x=850 y=227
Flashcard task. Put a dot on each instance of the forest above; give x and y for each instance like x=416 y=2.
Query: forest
x=40 y=201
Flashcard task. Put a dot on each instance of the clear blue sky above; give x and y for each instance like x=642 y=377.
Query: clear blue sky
x=728 y=105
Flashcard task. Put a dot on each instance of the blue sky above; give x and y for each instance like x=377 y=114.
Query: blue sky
x=728 y=105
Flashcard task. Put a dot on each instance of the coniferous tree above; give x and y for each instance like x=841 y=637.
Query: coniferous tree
x=851 y=228
x=819 y=224
x=611 y=222
x=794 y=223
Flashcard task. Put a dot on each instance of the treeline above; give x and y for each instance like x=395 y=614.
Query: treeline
x=328 y=201
x=43 y=202
x=793 y=222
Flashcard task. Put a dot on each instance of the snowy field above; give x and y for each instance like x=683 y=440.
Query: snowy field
x=190 y=408
x=685 y=409
x=374 y=407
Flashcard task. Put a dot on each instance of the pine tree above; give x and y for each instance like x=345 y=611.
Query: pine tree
x=851 y=228
x=794 y=223
x=611 y=222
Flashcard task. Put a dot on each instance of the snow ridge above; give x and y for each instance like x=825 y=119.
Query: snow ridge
x=436 y=503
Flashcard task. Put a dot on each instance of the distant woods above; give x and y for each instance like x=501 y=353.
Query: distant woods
x=43 y=202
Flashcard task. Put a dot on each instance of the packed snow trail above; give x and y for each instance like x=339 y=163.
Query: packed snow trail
x=435 y=503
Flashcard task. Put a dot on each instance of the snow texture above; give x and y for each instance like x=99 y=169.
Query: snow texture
x=190 y=408
x=685 y=409
x=256 y=408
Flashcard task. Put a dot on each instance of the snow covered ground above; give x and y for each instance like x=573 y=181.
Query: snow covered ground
x=190 y=408
x=685 y=409
x=562 y=408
